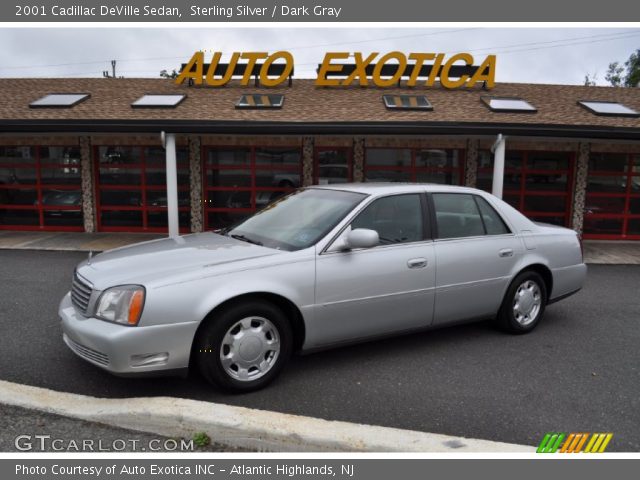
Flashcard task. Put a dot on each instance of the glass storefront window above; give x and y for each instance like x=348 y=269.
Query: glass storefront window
x=61 y=156
x=544 y=203
x=10 y=217
x=546 y=181
x=388 y=157
x=17 y=155
x=547 y=161
x=608 y=162
x=387 y=176
x=57 y=218
x=229 y=178
x=277 y=178
x=435 y=158
x=18 y=196
x=234 y=157
x=116 y=156
x=607 y=183
x=603 y=226
x=595 y=205
x=277 y=156
x=633 y=226
x=60 y=176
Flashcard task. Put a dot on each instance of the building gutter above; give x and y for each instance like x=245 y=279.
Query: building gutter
x=320 y=128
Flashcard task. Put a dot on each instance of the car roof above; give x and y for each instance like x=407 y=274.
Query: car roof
x=384 y=188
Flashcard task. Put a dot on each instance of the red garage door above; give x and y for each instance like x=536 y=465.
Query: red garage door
x=40 y=188
x=612 y=204
x=131 y=192
x=536 y=183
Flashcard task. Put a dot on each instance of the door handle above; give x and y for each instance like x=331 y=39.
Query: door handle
x=506 y=252
x=417 y=263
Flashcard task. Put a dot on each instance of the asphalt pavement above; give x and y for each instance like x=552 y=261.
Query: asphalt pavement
x=579 y=371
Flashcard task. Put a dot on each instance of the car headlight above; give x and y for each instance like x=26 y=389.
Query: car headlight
x=122 y=304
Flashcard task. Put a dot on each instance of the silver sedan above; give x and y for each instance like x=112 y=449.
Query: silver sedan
x=321 y=267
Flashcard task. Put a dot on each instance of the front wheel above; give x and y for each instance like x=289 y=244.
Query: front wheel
x=245 y=346
x=524 y=303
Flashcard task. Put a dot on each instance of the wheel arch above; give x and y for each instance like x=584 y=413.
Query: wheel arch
x=289 y=308
x=542 y=270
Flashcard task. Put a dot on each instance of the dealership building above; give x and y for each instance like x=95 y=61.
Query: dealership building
x=87 y=155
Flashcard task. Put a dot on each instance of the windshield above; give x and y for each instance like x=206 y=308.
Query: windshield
x=298 y=220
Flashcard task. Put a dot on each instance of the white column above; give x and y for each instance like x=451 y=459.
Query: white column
x=172 y=184
x=498 y=165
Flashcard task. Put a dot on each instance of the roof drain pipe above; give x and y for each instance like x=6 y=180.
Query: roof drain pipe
x=498 y=150
x=169 y=144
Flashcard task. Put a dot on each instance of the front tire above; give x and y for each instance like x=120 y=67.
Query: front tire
x=244 y=346
x=524 y=303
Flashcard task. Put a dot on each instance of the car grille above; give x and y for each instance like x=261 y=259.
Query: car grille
x=88 y=353
x=80 y=293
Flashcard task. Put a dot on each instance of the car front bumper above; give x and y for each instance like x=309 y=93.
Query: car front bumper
x=124 y=350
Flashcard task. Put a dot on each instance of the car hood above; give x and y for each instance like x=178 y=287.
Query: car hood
x=159 y=260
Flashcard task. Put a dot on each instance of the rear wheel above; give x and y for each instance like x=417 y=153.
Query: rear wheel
x=524 y=303
x=244 y=346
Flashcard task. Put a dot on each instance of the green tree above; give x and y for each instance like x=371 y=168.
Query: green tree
x=626 y=75
x=167 y=74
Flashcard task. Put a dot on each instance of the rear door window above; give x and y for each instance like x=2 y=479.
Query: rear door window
x=457 y=215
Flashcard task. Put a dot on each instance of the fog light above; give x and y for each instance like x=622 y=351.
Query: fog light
x=149 y=359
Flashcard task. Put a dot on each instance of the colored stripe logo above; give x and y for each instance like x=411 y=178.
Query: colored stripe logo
x=557 y=442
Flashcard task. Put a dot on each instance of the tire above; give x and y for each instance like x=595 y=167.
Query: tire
x=244 y=346
x=523 y=318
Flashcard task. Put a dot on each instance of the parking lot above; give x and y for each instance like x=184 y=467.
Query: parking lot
x=579 y=371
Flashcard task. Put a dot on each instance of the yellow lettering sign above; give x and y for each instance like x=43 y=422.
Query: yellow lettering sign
x=384 y=71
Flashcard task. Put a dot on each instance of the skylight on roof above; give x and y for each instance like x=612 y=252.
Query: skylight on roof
x=608 y=108
x=260 y=101
x=59 y=100
x=497 y=104
x=407 y=102
x=159 y=101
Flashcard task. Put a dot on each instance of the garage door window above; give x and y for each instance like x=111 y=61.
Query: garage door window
x=444 y=166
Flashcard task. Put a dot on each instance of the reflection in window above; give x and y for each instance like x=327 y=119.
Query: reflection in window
x=397 y=219
x=332 y=166
x=240 y=180
x=414 y=165
x=457 y=216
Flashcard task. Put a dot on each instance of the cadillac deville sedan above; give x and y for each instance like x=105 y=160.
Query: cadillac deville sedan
x=321 y=267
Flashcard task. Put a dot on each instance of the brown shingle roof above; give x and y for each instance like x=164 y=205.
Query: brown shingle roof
x=111 y=100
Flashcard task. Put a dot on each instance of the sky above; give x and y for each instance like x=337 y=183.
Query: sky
x=562 y=55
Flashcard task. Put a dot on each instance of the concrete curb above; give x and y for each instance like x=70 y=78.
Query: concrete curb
x=241 y=427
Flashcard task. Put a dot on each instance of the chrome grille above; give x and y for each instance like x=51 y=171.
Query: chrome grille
x=80 y=293
x=86 y=352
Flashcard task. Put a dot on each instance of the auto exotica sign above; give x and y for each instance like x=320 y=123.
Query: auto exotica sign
x=384 y=70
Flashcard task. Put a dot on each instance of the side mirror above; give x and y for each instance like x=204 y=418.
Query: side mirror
x=362 y=238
